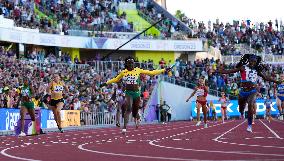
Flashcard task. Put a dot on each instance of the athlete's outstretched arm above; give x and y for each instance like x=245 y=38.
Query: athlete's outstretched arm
x=152 y=72
x=206 y=89
x=192 y=94
x=32 y=90
x=48 y=89
x=116 y=79
x=66 y=88
x=222 y=71
x=266 y=78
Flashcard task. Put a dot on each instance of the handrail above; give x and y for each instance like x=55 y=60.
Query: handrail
x=183 y=25
x=140 y=13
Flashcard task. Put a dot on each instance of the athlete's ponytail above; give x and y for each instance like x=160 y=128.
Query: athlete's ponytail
x=259 y=66
x=244 y=60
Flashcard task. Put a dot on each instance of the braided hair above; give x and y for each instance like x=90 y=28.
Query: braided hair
x=259 y=66
x=244 y=60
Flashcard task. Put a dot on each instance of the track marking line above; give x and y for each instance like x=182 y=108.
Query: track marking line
x=273 y=132
x=218 y=151
x=3 y=152
x=216 y=139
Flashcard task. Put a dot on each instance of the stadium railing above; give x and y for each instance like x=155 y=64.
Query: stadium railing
x=98 y=118
x=102 y=118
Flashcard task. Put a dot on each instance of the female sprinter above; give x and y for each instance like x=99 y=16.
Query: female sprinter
x=201 y=90
x=268 y=104
x=131 y=77
x=250 y=68
x=120 y=98
x=213 y=111
x=224 y=100
x=279 y=93
x=56 y=88
x=27 y=105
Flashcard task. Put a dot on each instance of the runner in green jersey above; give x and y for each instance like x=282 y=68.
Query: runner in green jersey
x=27 y=105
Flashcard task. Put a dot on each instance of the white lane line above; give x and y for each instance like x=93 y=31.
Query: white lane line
x=273 y=132
x=3 y=152
x=215 y=151
x=216 y=139
x=135 y=156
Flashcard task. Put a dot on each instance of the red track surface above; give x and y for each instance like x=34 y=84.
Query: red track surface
x=173 y=141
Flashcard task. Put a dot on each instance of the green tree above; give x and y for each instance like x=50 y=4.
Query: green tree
x=179 y=14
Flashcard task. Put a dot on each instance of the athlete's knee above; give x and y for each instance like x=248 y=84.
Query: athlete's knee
x=33 y=118
x=128 y=109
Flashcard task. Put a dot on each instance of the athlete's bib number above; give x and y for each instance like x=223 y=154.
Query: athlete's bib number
x=252 y=75
x=58 y=88
x=200 y=92
x=131 y=80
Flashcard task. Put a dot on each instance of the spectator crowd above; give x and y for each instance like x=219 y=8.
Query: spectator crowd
x=190 y=72
x=102 y=15
x=83 y=82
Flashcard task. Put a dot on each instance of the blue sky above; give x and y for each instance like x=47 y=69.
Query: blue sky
x=227 y=10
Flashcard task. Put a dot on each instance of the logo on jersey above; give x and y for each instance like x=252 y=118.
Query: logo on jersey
x=25 y=92
x=130 y=80
x=58 y=88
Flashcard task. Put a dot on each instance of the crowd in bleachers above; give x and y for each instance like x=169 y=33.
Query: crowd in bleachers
x=85 y=79
x=190 y=72
x=264 y=37
x=59 y=16
x=82 y=80
x=102 y=15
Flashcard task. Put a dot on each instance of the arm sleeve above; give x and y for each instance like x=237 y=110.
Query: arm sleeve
x=116 y=79
x=152 y=72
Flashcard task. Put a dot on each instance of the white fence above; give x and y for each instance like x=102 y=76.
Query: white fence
x=98 y=118
x=103 y=118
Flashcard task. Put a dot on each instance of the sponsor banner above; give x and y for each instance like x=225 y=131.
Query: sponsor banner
x=233 y=108
x=32 y=37
x=9 y=118
x=50 y=121
x=70 y=118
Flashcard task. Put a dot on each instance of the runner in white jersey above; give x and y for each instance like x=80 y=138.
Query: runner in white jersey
x=250 y=68
x=223 y=100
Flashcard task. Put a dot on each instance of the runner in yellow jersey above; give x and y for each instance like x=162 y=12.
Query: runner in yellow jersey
x=131 y=78
x=55 y=89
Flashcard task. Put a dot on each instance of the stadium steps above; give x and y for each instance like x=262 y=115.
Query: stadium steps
x=43 y=15
x=139 y=23
x=160 y=9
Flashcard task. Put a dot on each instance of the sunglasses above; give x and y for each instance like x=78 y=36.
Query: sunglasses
x=132 y=60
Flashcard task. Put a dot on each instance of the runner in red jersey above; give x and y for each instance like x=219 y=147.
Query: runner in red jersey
x=201 y=91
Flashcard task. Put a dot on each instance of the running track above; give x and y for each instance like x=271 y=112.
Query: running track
x=176 y=141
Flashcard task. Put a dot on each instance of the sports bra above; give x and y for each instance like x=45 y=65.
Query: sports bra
x=249 y=75
x=201 y=91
